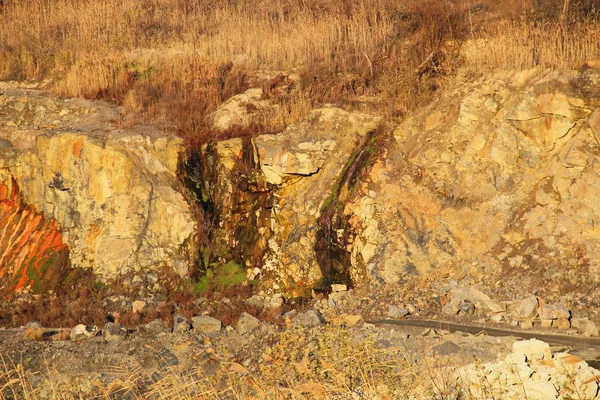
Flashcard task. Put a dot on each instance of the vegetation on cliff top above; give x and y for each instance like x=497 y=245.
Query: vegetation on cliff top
x=172 y=62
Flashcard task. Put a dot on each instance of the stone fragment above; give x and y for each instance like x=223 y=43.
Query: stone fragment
x=199 y=301
x=239 y=110
x=205 y=324
x=498 y=317
x=450 y=309
x=539 y=389
x=309 y=318
x=337 y=287
x=34 y=330
x=113 y=332
x=138 y=306
x=82 y=332
x=527 y=308
x=181 y=324
x=349 y=320
x=153 y=328
x=531 y=349
x=546 y=323
x=336 y=298
x=246 y=323
x=562 y=323
x=397 y=312
x=466 y=307
x=590 y=329
x=579 y=323
x=495 y=307
x=527 y=324
x=256 y=301
x=558 y=311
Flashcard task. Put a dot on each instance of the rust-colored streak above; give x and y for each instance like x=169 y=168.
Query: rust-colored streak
x=31 y=246
x=77 y=148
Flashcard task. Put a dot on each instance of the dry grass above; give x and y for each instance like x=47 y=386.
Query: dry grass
x=315 y=364
x=548 y=45
x=172 y=62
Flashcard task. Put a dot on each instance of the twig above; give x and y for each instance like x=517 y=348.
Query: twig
x=421 y=66
x=370 y=63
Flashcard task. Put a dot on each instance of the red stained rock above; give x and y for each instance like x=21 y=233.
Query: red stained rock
x=32 y=252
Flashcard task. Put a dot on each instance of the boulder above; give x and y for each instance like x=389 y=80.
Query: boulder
x=240 y=110
x=527 y=308
x=554 y=311
x=590 y=329
x=466 y=299
x=532 y=349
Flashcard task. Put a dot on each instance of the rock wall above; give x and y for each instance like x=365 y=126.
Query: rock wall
x=268 y=192
x=111 y=191
x=498 y=180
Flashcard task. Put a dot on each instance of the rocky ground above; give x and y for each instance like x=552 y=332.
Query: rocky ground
x=336 y=347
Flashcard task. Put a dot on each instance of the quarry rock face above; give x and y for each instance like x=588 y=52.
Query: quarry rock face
x=269 y=192
x=109 y=191
x=498 y=178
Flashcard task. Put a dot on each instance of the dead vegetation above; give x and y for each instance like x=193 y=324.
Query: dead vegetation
x=172 y=62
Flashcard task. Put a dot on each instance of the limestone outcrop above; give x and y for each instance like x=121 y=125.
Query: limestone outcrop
x=112 y=192
x=269 y=191
x=498 y=178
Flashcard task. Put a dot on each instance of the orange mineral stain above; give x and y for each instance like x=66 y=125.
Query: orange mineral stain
x=29 y=243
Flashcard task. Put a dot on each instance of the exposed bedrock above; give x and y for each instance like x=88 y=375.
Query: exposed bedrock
x=499 y=178
x=110 y=191
x=268 y=193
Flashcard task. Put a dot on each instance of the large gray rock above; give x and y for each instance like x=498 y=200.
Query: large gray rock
x=241 y=110
x=153 y=328
x=309 y=318
x=527 y=308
